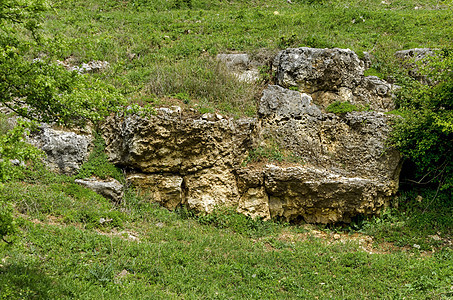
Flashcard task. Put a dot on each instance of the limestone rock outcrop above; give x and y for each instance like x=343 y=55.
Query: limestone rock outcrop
x=176 y=143
x=66 y=151
x=181 y=157
x=347 y=169
x=330 y=75
x=344 y=169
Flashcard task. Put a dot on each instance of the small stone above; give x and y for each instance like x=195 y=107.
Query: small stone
x=111 y=189
x=435 y=237
x=160 y=225
x=336 y=236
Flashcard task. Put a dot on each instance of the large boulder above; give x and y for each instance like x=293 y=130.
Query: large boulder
x=347 y=168
x=176 y=142
x=330 y=75
x=109 y=188
x=65 y=151
x=181 y=158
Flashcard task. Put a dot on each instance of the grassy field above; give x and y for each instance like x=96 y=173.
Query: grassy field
x=72 y=243
x=75 y=244
x=158 y=49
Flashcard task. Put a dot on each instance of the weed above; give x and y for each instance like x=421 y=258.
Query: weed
x=102 y=272
x=226 y=217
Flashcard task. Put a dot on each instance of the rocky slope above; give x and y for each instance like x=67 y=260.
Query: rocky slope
x=343 y=165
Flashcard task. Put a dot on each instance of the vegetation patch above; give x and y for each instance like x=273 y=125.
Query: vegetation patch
x=341 y=108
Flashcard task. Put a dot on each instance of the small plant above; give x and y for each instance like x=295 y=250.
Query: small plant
x=102 y=273
x=227 y=217
x=182 y=96
x=98 y=164
x=339 y=107
x=287 y=41
x=271 y=152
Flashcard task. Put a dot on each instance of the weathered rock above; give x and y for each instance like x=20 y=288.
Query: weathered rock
x=176 y=143
x=322 y=196
x=313 y=69
x=281 y=103
x=186 y=160
x=240 y=65
x=210 y=188
x=111 y=189
x=348 y=170
x=351 y=145
x=411 y=59
x=330 y=75
x=66 y=151
x=415 y=54
x=165 y=189
x=255 y=203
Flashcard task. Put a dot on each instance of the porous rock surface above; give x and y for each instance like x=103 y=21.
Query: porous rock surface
x=347 y=169
x=182 y=159
x=65 y=151
x=330 y=75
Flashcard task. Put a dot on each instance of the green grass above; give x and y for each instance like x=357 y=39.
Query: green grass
x=63 y=250
x=72 y=243
x=160 y=48
x=156 y=254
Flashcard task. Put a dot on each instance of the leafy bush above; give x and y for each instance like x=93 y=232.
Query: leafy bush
x=424 y=134
x=15 y=153
x=33 y=85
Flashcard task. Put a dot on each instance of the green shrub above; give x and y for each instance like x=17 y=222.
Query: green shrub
x=424 y=134
x=13 y=148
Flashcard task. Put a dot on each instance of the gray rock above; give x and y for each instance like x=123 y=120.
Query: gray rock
x=234 y=61
x=65 y=151
x=283 y=103
x=330 y=75
x=111 y=189
x=415 y=54
x=411 y=58
x=313 y=69
x=239 y=65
